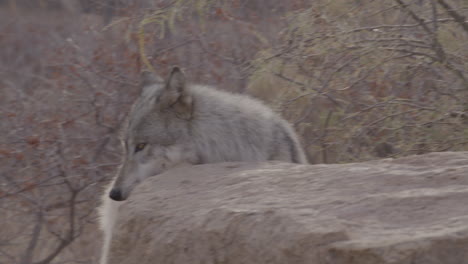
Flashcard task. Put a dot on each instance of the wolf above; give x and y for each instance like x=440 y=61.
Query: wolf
x=174 y=123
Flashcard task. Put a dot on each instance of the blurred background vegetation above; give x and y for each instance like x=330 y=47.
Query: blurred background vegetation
x=359 y=79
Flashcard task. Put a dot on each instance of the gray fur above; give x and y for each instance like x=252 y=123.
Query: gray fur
x=192 y=124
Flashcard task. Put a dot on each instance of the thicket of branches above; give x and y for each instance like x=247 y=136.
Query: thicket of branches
x=367 y=79
x=359 y=80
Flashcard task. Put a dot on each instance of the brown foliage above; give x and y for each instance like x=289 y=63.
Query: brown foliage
x=370 y=74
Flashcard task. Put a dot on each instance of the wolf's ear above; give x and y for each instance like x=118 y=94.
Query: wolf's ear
x=176 y=96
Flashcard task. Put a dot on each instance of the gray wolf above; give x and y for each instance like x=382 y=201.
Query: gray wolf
x=174 y=123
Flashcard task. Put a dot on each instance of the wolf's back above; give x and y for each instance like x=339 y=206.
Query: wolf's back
x=235 y=127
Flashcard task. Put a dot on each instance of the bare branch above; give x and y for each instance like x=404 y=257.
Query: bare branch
x=461 y=20
x=33 y=242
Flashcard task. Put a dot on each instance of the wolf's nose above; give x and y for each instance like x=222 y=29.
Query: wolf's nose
x=116 y=195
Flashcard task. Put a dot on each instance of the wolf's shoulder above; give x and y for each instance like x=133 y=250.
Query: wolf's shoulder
x=214 y=97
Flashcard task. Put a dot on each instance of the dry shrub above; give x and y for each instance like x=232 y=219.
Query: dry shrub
x=371 y=78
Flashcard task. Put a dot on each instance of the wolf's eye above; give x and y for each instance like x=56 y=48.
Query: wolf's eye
x=140 y=147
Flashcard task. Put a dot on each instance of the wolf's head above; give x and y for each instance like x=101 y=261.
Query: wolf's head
x=157 y=134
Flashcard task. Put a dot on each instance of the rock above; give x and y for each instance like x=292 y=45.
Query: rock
x=412 y=210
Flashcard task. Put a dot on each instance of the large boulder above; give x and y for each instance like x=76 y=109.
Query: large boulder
x=411 y=210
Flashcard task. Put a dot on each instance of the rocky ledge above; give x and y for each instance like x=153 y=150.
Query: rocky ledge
x=412 y=210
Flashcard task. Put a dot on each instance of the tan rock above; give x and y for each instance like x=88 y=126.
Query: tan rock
x=412 y=210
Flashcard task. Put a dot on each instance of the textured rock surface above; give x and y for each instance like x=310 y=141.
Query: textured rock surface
x=412 y=210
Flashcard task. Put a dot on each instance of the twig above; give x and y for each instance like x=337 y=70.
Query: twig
x=456 y=16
